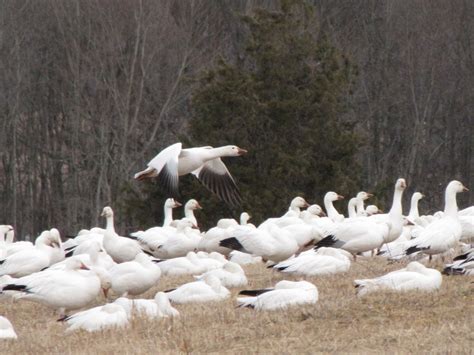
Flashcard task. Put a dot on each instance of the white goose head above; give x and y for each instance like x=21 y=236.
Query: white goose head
x=244 y=218
x=362 y=195
x=192 y=205
x=107 y=212
x=456 y=187
x=172 y=203
x=332 y=196
x=298 y=202
x=401 y=185
x=417 y=196
x=316 y=210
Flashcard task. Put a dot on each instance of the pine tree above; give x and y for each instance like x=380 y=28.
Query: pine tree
x=283 y=103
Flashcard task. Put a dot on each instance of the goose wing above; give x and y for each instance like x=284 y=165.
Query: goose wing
x=217 y=178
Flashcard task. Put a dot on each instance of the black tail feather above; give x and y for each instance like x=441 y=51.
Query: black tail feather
x=231 y=243
x=328 y=241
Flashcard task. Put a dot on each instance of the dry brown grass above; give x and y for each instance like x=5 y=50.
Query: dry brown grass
x=340 y=322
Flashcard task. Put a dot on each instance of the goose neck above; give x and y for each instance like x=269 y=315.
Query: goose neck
x=330 y=209
x=414 y=209
x=168 y=211
x=396 y=209
x=109 y=227
x=451 y=205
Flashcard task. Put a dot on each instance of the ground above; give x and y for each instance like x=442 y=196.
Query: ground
x=340 y=322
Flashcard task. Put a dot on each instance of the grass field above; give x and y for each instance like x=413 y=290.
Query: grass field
x=340 y=322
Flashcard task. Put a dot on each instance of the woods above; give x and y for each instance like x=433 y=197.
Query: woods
x=90 y=91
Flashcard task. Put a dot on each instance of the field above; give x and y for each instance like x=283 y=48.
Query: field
x=340 y=322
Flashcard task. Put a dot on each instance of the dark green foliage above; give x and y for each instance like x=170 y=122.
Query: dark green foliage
x=282 y=103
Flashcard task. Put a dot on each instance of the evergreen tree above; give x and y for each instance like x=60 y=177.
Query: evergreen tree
x=283 y=103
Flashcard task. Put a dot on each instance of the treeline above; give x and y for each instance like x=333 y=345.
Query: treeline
x=91 y=90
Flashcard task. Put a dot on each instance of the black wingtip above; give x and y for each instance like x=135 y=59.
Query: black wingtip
x=171 y=289
x=254 y=292
x=148 y=253
x=414 y=249
x=15 y=287
x=231 y=243
x=462 y=256
x=453 y=271
x=68 y=254
x=328 y=241
x=63 y=318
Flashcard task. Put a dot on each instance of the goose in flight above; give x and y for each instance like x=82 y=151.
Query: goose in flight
x=203 y=162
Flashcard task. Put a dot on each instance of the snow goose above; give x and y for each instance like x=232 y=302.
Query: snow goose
x=119 y=248
x=189 y=209
x=271 y=243
x=243 y=258
x=414 y=213
x=180 y=243
x=203 y=162
x=6 y=329
x=206 y=290
x=469 y=211
x=351 y=208
x=230 y=275
x=290 y=217
x=444 y=233
x=158 y=307
x=184 y=265
x=414 y=277
x=170 y=203
x=30 y=260
x=311 y=213
x=72 y=288
x=134 y=277
x=324 y=261
x=284 y=295
x=331 y=211
x=360 y=198
x=360 y=235
x=110 y=315
x=372 y=210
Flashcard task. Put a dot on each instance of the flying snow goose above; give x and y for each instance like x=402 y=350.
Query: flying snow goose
x=6 y=329
x=30 y=260
x=134 y=277
x=206 y=290
x=324 y=261
x=444 y=233
x=284 y=295
x=110 y=315
x=158 y=307
x=121 y=249
x=68 y=289
x=360 y=235
x=203 y=162
x=414 y=277
x=230 y=275
x=271 y=243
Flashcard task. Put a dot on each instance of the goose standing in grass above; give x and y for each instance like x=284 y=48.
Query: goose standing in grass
x=203 y=162
x=110 y=315
x=230 y=275
x=134 y=277
x=414 y=277
x=158 y=307
x=360 y=235
x=121 y=249
x=6 y=329
x=444 y=233
x=324 y=261
x=206 y=290
x=74 y=287
x=283 y=295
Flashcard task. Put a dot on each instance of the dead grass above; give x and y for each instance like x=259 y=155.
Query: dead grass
x=340 y=322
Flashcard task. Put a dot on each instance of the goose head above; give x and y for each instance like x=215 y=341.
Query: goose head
x=401 y=184
x=192 y=205
x=372 y=209
x=456 y=187
x=233 y=151
x=172 y=203
x=54 y=238
x=5 y=228
x=332 y=196
x=316 y=210
x=363 y=195
x=244 y=218
x=417 y=196
x=162 y=300
x=107 y=212
x=75 y=263
x=299 y=202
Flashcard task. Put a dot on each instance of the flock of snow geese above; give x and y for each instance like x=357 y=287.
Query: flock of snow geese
x=305 y=241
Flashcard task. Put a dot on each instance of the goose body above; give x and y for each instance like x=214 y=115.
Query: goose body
x=203 y=162
x=99 y=318
x=414 y=277
x=284 y=295
x=230 y=275
x=324 y=261
x=159 y=307
x=206 y=290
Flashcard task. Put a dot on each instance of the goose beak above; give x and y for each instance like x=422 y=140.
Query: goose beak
x=369 y=195
x=106 y=292
x=322 y=214
x=241 y=151
x=422 y=195
x=464 y=188
x=403 y=185
x=102 y=214
x=198 y=206
x=84 y=267
x=195 y=226
x=339 y=197
x=177 y=204
x=306 y=204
